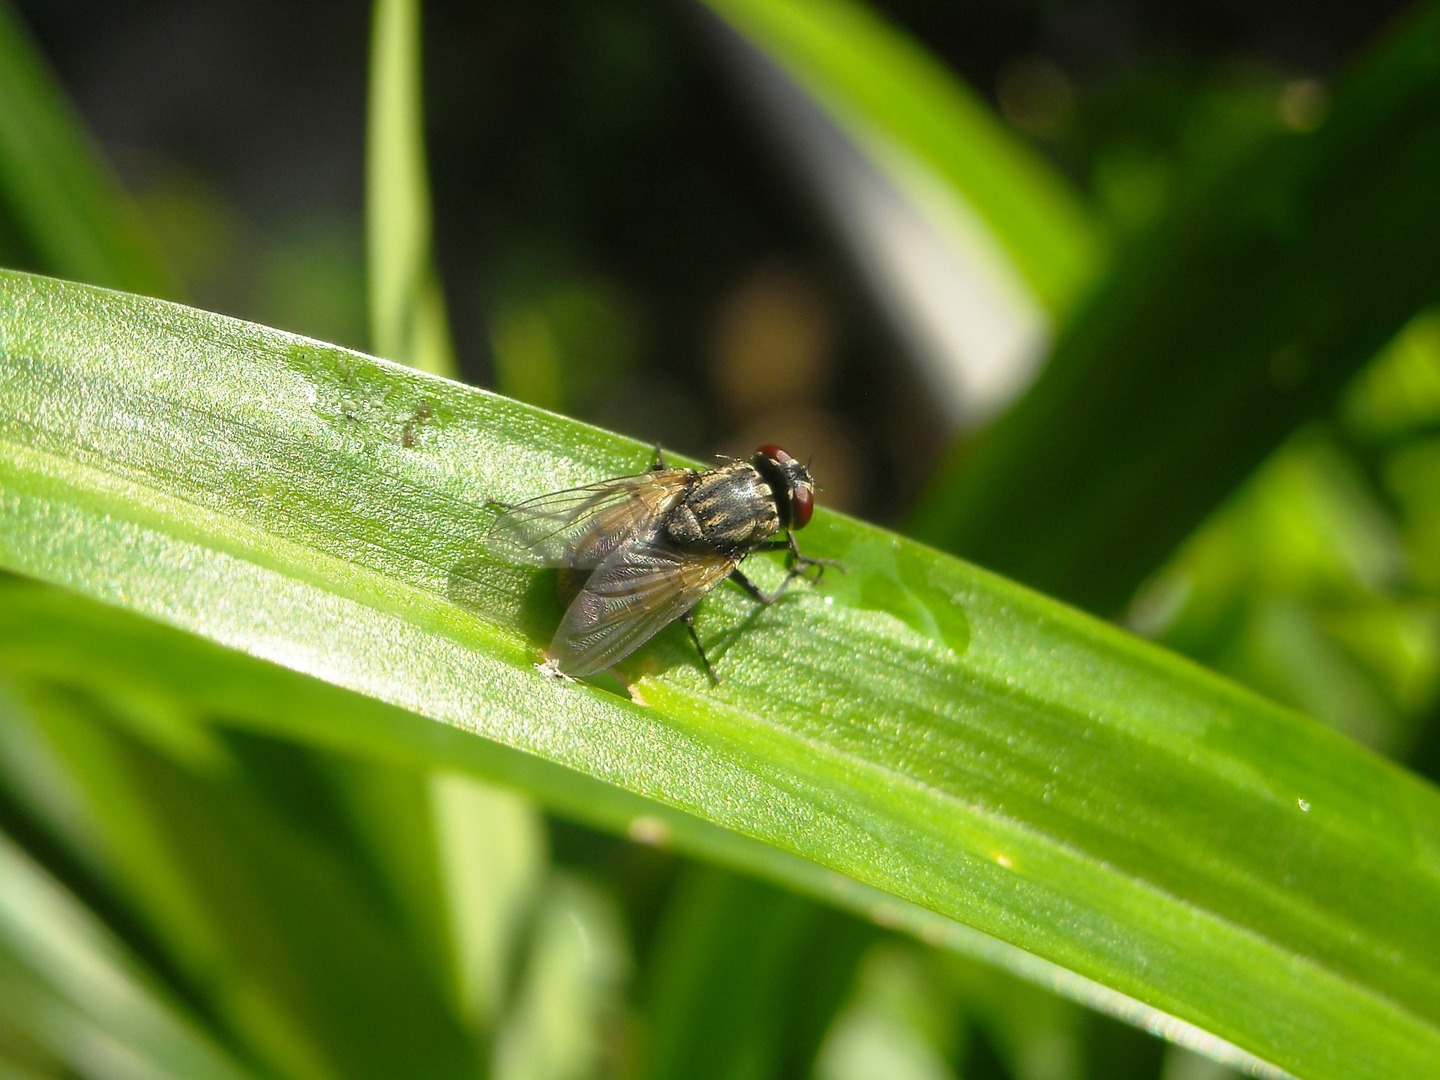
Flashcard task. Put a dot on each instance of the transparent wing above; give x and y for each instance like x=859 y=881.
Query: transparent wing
x=646 y=584
x=580 y=527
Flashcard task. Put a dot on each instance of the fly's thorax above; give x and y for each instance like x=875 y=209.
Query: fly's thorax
x=729 y=509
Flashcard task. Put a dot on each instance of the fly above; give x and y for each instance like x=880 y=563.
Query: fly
x=647 y=548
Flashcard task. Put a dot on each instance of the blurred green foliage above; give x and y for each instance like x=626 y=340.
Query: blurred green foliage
x=184 y=899
x=1244 y=314
x=1317 y=583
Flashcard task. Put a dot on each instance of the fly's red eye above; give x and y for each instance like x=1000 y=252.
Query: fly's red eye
x=802 y=501
x=774 y=453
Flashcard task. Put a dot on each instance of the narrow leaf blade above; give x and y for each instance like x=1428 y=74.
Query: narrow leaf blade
x=917 y=725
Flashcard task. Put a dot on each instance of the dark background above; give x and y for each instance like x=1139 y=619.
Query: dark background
x=596 y=161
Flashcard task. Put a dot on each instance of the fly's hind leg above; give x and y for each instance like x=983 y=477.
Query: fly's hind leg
x=657 y=463
x=689 y=620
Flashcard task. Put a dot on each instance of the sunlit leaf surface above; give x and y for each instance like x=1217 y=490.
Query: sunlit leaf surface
x=932 y=732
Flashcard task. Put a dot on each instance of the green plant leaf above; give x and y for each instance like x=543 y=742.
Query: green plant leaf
x=1211 y=342
x=950 y=741
x=65 y=208
x=257 y=912
x=407 y=308
x=487 y=846
x=743 y=979
x=577 y=961
x=78 y=993
x=909 y=113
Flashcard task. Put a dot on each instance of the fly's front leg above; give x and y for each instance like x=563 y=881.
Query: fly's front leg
x=756 y=593
x=797 y=567
x=798 y=564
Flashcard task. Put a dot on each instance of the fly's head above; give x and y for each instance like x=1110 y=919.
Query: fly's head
x=791 y=482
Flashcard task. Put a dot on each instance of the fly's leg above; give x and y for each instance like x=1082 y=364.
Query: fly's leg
x=689 y=620
x=758 y=594
x=798 y=567
x=798 y=564
x=657 y=464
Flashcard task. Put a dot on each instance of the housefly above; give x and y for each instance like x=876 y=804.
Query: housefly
x=645 y=549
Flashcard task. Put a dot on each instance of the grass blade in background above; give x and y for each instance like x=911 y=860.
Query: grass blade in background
x=744 y=978
x=94 y=1008
x=487 y=846
x=1211 y=342
x=898 y=102
x=65 y=208
x=407 y=308
x=918 y=725
x=254 y=913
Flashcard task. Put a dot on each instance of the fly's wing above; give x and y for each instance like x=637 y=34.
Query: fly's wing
x=646 y=584
x=580 y=527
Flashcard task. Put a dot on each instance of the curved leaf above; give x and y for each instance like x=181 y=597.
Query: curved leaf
x=918 y=725
x=64 y=204
x=899 y=103
x=1211 y=342
x=85 y=999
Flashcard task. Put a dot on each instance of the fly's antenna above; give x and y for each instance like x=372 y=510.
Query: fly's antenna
x=812 y=474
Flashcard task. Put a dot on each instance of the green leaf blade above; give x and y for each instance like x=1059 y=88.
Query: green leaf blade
x=70 y=983
x=1210 y=342
x=899 y=103
x=407 y=307
x=915 y=724
x=67 y=207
